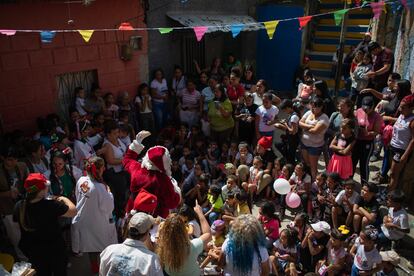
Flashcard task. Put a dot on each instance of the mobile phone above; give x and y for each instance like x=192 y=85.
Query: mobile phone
x=217 y=104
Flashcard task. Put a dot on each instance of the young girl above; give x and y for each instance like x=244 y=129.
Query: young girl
x=80 y=101
x=144 y=106
x=277 y=169
x=191 y=219
x=243 y=156
x=110 y=109
x=285 y=255
x=255 y=173
x=301 y=184
x=233 y=150
x=341 y=145
x=366 y=253
x=218 y=235
x=336 y=259
x=213 y=156
x=83 y=147
x=360 y=79
x=327 y=200
x=270 y=222
x=318 y=189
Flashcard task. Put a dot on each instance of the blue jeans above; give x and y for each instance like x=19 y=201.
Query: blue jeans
x=354 y=271
x=383 y=241
x=212 y=217
x=386 y=162
x=160 y=114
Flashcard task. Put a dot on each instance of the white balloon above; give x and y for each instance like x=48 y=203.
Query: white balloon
x=281 y=186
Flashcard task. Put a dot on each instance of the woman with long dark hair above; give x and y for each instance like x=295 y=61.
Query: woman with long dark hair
x=144 y=106
x=41 y=239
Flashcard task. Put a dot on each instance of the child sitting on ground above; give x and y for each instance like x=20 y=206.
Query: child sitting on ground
x=270 y=222
x=243 y=156
x=216 y=203
x=344 y=204
x=318 y=190
x=218 y=232
x=366 y=209
x=285 y=254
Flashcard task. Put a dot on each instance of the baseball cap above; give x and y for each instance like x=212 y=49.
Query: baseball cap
x=321 y=226
x=141 y=222
x=35 y=182
x=367 y=102
x=218 y=225
x=390 y=256
x=145 y=202
x=265 y=142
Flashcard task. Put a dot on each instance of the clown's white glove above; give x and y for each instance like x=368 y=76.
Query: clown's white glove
x=137 y=145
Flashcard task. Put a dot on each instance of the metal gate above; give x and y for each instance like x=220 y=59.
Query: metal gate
x=66 y=84
x=192 y=50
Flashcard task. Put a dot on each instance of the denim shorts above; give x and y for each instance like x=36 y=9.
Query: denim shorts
x=316 y=151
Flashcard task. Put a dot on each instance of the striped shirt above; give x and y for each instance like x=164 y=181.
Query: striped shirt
x=189 y=99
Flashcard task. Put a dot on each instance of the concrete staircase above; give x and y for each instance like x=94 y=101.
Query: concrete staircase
x=327 y=34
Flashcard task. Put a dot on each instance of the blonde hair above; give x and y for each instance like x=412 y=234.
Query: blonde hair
x=174 y=243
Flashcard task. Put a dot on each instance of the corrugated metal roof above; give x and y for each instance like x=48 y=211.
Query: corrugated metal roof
x=216 y=22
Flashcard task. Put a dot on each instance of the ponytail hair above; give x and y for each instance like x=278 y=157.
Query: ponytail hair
x=92 y=166
x=24 y=218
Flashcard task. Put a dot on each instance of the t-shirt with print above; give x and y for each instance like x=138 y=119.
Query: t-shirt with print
x=284 y=250
x=300 y=183
x=343 y=142
x=161 y=89
x=314 y=139
x=364 y=260
x=370 y=206
x=399 y=218
x=335 y=255
x=190 y=266
x=256 y=266
x=340 y=200
x=266 y=115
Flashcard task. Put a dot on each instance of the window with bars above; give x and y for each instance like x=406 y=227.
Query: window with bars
x=66 y=84
x=192 y=50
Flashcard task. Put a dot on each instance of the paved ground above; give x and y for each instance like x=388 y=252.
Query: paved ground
x=80 y=265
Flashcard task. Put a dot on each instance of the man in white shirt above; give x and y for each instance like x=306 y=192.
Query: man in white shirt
x=132 y=257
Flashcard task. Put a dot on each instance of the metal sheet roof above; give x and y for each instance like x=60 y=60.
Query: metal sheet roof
x=215 y=22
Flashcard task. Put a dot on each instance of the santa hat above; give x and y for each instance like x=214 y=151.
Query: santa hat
x=145 y=202
x=265 y=142
x=35 y=182
x=157 y=158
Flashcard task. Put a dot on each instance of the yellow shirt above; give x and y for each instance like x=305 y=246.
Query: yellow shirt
x=243 y=209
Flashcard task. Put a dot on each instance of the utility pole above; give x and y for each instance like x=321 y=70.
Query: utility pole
x=342 y=38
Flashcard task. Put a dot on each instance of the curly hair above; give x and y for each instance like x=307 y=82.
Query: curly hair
x=174 y=243
x=245 y=238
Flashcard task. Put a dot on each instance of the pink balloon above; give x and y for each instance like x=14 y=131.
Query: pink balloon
x=293 y=200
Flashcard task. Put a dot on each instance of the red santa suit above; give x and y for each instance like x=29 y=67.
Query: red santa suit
x=152 y=175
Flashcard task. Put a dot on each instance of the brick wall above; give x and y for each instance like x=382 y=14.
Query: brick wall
x=28 y=67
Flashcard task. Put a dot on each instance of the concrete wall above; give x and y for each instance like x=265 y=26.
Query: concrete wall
x=165 y=50
x=28 y=67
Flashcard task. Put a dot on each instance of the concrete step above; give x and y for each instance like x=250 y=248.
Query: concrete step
x=320 y=56
x=335 y=41
x=349 y=28
x=327 y=47
x=322 y=34
x=326 y=73
x=315 y=64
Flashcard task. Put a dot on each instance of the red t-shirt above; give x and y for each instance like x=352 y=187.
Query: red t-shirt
x=272 y=225
x=235 y=92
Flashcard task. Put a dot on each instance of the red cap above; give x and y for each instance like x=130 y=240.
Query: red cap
x=409 y=100
x=265 y=142
x=35 y=182
x=145 y=202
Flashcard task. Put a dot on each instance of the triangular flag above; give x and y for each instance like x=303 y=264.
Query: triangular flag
x=404 y=3
x=303 y=21
x=47 y=36
x=271 y=27
x=377 y=8
x=408 y=4
x=8 y=32
x=86 y=34
x=339 y=16
x=200 y=31
x=395 y=6
x=165 y=30
x=236 y=29
x=126 y=26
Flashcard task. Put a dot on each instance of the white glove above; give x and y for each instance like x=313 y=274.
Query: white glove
x=137 y=145
x=175 y=185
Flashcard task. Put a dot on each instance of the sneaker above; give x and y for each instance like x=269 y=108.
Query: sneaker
x=373 y=158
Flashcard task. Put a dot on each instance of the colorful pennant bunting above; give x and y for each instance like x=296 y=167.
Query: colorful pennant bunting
x=8 y=32
x=126 y=26
x=377 y=8
x=339 y=16
x=236 y=29
x=200 y=31
x=165 y=30
x=86 y=34
x=47 y=36
x=408 y=4
x=303 y=21
x=271 y=27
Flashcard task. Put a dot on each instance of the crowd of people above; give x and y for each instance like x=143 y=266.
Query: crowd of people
x=71 y=189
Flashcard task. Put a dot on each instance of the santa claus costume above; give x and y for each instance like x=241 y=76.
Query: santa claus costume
x=153 y=175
